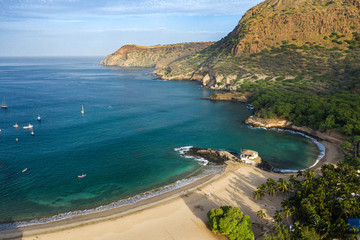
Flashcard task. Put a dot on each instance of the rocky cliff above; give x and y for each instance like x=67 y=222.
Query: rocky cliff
x=276 y=38
x=299 y=21
x=154 y=56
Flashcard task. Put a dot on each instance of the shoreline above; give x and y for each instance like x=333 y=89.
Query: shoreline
x=166 y=189
x=332 y=152
x=108 y=214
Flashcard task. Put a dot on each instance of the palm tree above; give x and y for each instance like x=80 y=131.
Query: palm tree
x=287 y=213
x=271 y=191
x=256 y=194
x=299 y=174
x=278 y=216
x=282 y=185
x=260 y=215
x=309 y=174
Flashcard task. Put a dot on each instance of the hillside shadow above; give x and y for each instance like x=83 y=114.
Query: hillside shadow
x=199 y=203
x=10 y=230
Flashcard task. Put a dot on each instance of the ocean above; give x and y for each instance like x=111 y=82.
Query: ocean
x=125 y=142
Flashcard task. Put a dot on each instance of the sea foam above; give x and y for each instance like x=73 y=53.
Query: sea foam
x=183 y=150
x=123 y=202
x=319 y=145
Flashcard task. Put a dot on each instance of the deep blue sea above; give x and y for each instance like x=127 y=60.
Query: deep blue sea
x=125 y=141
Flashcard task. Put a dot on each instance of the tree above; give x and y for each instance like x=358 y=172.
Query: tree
x=329 y=122
x=287 y=213
x=260 y=215
x=346 y=145
x=282 y=185
x=280 y=232
x=231 y=222
x=278 y=216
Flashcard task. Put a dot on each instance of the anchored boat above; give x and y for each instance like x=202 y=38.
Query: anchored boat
x=3 y=105
x=28 y=126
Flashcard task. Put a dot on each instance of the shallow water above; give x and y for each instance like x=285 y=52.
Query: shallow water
x=125 y=141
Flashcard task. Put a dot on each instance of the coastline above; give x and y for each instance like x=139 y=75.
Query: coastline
x=193 y=201
x=216 y=187
x=235 y=174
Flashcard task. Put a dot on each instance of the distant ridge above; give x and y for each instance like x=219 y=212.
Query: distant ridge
x=153 y=56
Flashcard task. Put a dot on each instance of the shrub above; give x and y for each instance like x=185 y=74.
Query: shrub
x=231 y=222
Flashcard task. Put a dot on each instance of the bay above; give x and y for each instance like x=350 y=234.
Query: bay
x=124 y=142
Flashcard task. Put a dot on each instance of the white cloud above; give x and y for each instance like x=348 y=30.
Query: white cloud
x=201 y=7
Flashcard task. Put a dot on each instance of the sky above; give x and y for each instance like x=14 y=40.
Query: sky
x=100 y=27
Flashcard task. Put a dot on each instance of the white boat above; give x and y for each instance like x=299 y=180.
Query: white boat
x=28 y=126
x=82 y=175
x=82 y=109
x=39 y=118
x=15 y=125
x=3 y=105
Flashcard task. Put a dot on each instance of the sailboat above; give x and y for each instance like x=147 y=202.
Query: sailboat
x=82 y=109
x=3 y=105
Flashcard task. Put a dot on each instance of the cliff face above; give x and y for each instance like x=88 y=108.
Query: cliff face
x=299 y=21
x=155 y=56
x=286 y=38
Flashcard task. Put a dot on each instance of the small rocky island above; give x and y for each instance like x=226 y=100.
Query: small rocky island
x=221 y=157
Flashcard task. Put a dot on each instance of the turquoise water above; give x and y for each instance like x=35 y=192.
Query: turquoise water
x=125 y=141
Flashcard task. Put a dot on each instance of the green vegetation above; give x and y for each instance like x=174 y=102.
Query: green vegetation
x=301 y=232
x=341 y=111
x=231 y=222
x=320 y=206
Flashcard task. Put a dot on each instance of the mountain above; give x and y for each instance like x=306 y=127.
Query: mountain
x=282 y=39
x=154 y=56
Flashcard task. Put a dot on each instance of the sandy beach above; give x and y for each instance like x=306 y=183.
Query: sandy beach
x=180 y=214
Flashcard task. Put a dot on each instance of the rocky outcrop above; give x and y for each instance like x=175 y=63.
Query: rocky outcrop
x=154 y=56
x=229 y=96
x=267 y=123
x=221 y=157
x=329 y=135
x=218 y=157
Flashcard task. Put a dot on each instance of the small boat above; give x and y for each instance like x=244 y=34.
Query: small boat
x=3 y=105
x=28 y=126
x=39 y=118
x=15 y=125
x=82 y=175
x=82 y=109
x=32 y=133
x=24 y=170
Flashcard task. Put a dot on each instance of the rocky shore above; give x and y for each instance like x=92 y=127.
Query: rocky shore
x=229 y=96
x=332 y=136
x=221 y=157
x=267 y=123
